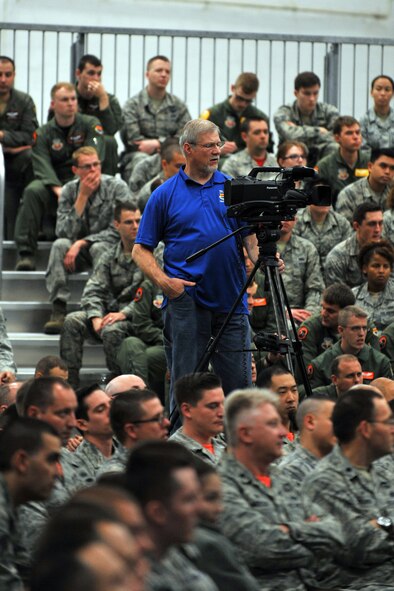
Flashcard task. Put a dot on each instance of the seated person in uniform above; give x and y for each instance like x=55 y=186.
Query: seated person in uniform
x=376 y=295
x=352 y=327
x=374 y=188
x=348 y=163
x=377 y=125
x=229 y=114
x=308 y=120
x=255 y=133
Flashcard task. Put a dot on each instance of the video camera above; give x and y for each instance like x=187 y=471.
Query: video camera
x=273 y=201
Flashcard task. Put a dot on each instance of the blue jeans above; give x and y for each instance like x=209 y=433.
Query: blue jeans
x=187 y=330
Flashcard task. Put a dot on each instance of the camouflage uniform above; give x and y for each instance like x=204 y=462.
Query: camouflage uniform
x=219 y=446
x=143 y=172
x=388 y=225
x=146 y=190
x=86 y=461
x=143 y=353
x=95 y=226
x=143 y=121
x=52 y=162
x=359 y=192
x=111 y=119
x=18 y=123
x=306 y=128
x=241 y=163
x=316 y=338
x=9 y=577
x=342 y=263
x=302 y=277
x=381 y=310
x=251 y=518
x=373 y=363
x=339 y=174
x=218 y=558
x=111 y=288
x=7 y=362
x=117 y=463
x=324 y=236
x=355 y=497
x=229 y=121
x=34 y=515
x=177 y=572
x=377 y=132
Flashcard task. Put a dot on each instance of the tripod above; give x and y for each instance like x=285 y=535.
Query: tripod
x=266 y=240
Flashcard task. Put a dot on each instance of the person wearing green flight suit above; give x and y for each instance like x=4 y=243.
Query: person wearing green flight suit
x=52 y=166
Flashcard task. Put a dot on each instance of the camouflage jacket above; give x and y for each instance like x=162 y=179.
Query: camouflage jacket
x=142 y=121
x=86 y=461
x=377 y=132
x=359 y=192
x=112 y=285
x=219 y=446
x=251 y=520
x=333 y=230
x=355 y=497
x=9 y=577
x=176 y=572
x=111 y=118
x=241 y=163
x=7 y=362
x=143 y=172
x=96 y=222
x=381 y=310
x=306 y=129
x=302 y=276
x=115 y=464
x=342 y=263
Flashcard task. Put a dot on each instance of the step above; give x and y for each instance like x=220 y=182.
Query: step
x=10 y=255
x=30 y=347
x=87 y=375
x=29 y=316
x=30 y=285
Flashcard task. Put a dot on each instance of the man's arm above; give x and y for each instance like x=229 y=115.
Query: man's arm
x=23 y=136
x=144 y=326
x=42 y=163
x=171 y=286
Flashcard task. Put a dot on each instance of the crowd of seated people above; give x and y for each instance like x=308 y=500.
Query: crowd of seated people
x=253 y=490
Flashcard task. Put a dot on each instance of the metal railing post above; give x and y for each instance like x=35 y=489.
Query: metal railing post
x=331 y=75
x=77 y=51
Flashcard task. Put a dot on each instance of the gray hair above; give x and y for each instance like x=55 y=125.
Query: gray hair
x=194 y=128
x=241 y=402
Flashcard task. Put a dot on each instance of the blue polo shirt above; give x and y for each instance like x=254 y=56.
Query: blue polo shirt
x=188 y=216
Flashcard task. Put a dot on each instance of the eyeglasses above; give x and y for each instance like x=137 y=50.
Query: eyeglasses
x=389 y=422
x=211 y=146
x=243 y=99
x=89 y=166
x=295 y=157
x=157 y=419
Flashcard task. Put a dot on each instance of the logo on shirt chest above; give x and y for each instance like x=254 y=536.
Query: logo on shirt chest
x=221 y=196
x=343 y=174
x=12 y=115
x=230 y=122
x=57 y=144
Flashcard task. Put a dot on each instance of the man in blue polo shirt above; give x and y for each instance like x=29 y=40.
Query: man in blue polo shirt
x=188 y=213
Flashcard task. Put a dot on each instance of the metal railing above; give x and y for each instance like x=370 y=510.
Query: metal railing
x=204 y=63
